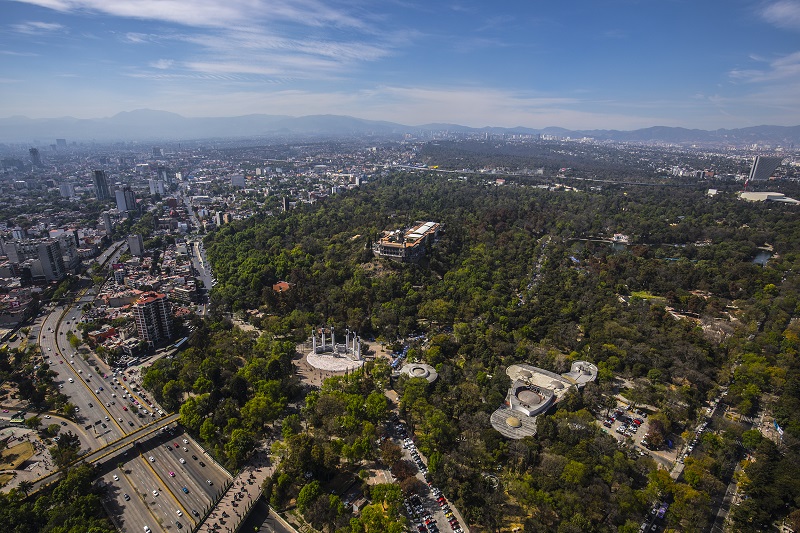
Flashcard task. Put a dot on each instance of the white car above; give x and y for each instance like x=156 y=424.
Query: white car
x=155 y=492
x=116 y=477
x=182 y=460
x=152 y=459
x=179 y=512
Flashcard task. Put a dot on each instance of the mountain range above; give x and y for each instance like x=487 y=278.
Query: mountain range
x=151 y=125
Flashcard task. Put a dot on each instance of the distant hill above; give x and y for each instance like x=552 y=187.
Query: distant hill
x=151 y=125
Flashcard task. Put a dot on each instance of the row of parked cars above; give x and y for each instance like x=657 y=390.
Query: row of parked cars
x=426 y=523
x=448 y=513
x=412 y=449
x=693 y=442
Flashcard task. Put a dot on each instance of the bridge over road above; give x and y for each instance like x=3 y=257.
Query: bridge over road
x=112 y=449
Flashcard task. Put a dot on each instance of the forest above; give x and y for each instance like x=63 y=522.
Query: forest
x=519 y=273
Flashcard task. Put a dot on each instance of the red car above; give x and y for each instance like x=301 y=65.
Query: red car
x=176 y=444
x=124 y=408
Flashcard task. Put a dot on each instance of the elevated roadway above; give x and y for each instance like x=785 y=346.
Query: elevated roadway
x=111 y=449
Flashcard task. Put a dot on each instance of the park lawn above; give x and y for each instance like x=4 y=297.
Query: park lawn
x=5 y=478
x=11 y=458
x=646 y=295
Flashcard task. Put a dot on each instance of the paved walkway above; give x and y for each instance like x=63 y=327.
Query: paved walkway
x=243 y=492
x=37 y=466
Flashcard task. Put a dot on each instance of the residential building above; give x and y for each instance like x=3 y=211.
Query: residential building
x=136 y=245
x=153 y=315
x=66 y=190
x=126 y=199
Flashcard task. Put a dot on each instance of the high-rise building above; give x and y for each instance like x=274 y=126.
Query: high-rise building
x=157 y=152
x=45 y=253
x=61 y=143
x=36 y=159
x=68 y=242
x=107 y=222
x=763 y=167
x=19 y=233
x=101 y=185
x=153 y=315
x=67 y=190
x=156 y=187
x=126 y=200
x=164 y=175
x=136 y=245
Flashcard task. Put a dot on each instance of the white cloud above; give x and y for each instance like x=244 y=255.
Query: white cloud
x=138 y=38
x=213 y=13
x=310 y=39
x=785 y=68
x=17 y=54
x=784 y=14
x=162 y=64
x=36 y=27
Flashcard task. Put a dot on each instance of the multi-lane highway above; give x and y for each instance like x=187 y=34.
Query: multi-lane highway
x=164 y=480
x=160 y=485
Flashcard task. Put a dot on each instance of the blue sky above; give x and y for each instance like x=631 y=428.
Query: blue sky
x=621 y=64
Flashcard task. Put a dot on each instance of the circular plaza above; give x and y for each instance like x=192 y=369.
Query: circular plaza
x=329 y=356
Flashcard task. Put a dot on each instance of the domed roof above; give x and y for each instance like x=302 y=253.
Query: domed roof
x=513 y=422
x=529 y=397
x=556 y=384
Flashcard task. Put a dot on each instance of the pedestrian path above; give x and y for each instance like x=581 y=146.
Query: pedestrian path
x=245 y=489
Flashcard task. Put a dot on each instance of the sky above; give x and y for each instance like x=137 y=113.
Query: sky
x=578 y=64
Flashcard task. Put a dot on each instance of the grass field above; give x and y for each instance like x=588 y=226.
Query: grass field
x=11 y=458
x=644 y=295
x=5 y=478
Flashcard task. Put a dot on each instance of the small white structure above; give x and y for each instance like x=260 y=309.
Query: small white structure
x=420 y=370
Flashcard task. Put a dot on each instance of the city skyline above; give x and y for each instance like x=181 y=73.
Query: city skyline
x=617 y=65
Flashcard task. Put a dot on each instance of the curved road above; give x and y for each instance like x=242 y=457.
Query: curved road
x=184 y=478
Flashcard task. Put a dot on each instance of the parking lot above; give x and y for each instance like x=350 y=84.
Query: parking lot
x=429 y=512
x=622 y=424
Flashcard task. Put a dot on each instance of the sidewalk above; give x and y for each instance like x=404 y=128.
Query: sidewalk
x=244 y=490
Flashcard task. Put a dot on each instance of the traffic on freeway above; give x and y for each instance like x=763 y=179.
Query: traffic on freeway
x=165 y=481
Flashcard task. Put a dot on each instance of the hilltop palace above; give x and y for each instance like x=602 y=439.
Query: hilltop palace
x=327 y=355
